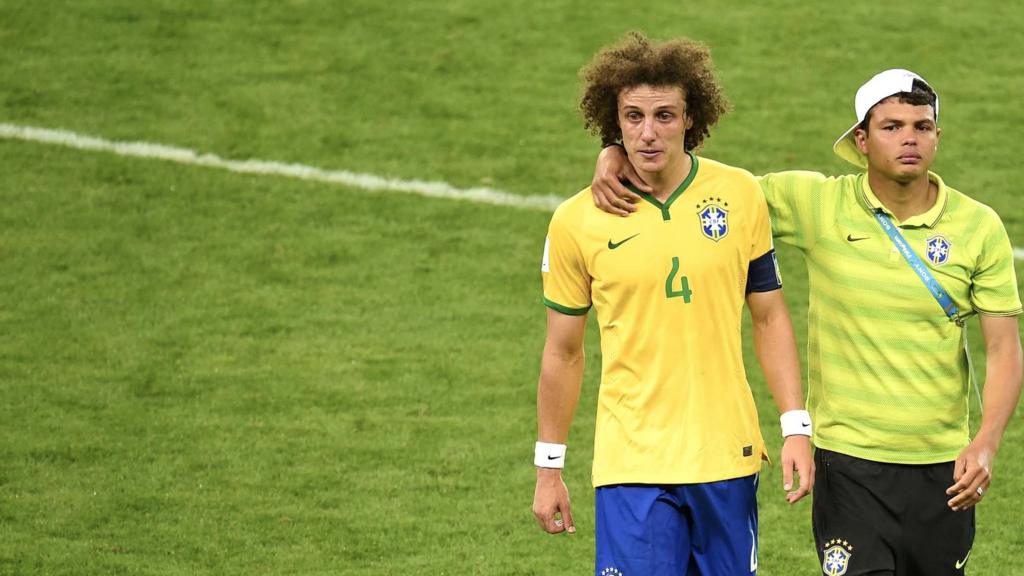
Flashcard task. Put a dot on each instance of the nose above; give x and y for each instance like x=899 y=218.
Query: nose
x=910 y=136
x=647 y=134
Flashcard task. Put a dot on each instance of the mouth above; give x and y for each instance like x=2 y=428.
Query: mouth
x=648 y=154
x=909 y=158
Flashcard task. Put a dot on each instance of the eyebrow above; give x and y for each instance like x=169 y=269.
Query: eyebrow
x=671 y=107
x=884 y=120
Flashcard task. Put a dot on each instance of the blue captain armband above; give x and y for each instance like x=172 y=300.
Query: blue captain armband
x=763 y=273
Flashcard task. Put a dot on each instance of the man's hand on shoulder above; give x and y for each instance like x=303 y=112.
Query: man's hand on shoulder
x=610 y=194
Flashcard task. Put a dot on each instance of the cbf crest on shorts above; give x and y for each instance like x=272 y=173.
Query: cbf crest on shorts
x=937 y=249
x=714 y=218
x=836 y=557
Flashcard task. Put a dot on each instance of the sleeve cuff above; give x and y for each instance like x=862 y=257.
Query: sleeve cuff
x=565 y=309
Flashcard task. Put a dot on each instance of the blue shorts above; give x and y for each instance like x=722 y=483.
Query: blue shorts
x=679 y=530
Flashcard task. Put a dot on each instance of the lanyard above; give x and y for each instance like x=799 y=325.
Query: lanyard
x=949 y=307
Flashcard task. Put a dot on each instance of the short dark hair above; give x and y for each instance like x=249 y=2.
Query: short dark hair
x=920 y=95
x=635 y=61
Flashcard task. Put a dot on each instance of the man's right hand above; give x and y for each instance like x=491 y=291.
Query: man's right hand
x=551 y=502
x=610 y=194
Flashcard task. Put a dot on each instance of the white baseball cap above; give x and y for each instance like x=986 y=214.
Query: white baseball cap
x=880 y=87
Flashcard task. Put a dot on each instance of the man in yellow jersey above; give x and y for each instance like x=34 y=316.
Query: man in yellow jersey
x=897 y=260
x=677 y=445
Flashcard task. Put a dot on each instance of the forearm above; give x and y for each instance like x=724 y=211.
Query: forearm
x=775 y=346
x=558 y=390
x=1002 y=390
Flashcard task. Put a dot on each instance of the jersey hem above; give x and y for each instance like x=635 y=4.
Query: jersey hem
x=901 y=457
x=616 y=479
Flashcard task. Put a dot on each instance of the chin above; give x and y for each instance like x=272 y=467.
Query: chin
x=650 y=167
x=905 y=178
x=906 y=172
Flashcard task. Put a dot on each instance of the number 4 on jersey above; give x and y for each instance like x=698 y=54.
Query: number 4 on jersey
x=684 y=283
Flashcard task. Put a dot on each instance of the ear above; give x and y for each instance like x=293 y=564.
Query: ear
x=938 y=135
x=860 y=138
x=688 y=120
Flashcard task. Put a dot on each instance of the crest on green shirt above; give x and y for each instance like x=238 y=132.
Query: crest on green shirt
x=937 y=249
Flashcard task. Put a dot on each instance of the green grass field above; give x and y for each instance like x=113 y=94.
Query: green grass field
x=204 y=372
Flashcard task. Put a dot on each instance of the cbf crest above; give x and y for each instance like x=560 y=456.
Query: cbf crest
x=714 y=218
x=937 y=250
x=836 y=557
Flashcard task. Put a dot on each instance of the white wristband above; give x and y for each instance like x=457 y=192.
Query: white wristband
x=796 y=423
x=546 y=455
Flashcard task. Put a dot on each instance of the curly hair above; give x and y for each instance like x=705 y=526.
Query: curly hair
x=635 y=61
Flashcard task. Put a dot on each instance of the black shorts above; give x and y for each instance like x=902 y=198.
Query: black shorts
x=887 y=519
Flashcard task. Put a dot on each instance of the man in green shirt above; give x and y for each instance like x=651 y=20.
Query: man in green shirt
x=897 y=473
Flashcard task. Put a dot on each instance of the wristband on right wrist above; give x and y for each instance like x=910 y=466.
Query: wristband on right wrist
x=795 y=423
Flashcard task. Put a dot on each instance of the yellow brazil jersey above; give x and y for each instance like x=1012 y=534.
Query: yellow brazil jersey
x=886 y=370
x=668 y=285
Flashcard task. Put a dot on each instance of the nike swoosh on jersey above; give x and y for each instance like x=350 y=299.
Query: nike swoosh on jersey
x=851 y=238
x=614 y=245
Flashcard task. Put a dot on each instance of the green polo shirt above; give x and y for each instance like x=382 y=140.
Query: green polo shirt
x=887 y=374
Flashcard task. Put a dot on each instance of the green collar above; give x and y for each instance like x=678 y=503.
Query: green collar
x=665 y=215
x=927 y=219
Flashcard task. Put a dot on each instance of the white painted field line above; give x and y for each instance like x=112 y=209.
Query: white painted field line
x=369 y=182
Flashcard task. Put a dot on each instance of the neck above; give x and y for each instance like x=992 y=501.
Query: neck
x=904 y=199
x=668 y=180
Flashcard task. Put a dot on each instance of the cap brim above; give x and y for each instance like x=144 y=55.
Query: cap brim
x=846 y=148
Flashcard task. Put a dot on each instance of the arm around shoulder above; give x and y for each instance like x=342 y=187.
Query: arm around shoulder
x=795 y=198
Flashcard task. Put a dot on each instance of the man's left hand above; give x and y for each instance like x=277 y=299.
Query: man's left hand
x=972 y=475
x=796 y=455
